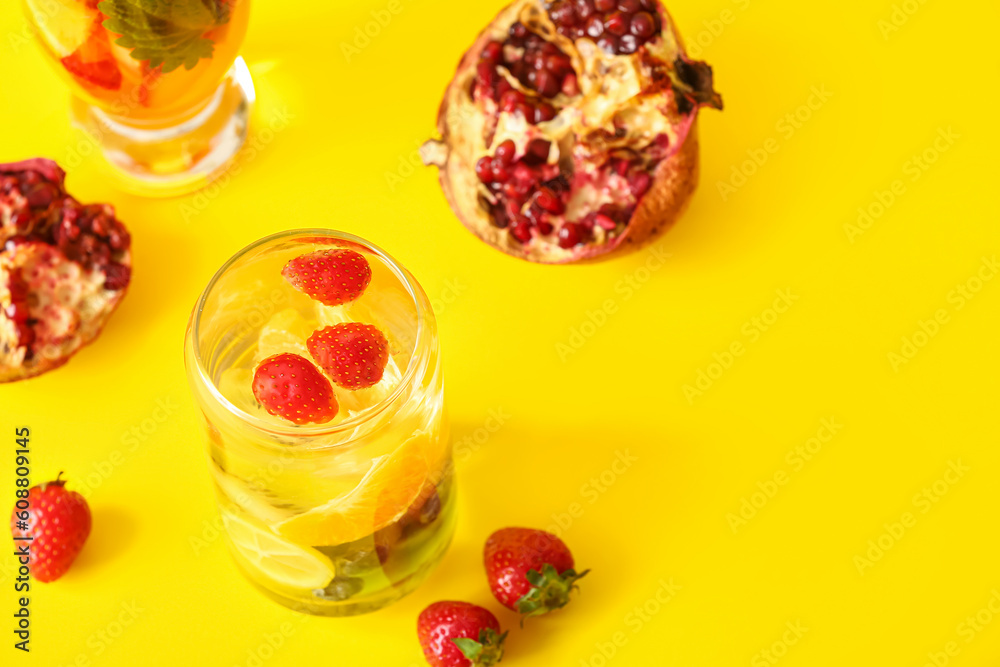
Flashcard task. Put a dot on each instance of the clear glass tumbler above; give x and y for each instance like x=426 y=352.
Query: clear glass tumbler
x=156 y=83
x=338 y=518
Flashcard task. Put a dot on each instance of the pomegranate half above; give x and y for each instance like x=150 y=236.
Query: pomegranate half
x=569 y=130
x=64 y=268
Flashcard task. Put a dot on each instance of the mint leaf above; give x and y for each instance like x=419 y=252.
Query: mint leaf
x=167 y=33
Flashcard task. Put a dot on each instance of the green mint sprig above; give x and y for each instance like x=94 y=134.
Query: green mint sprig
x=167 y=33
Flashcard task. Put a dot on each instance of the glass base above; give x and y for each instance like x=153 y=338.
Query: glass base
x=316 y=606
x=157 y=161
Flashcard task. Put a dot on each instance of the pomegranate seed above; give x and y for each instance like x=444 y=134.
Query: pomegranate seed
x=525 y=110
x=605 y=222
x=493 y=52
x=518 y=32
x=616 y=24
x=506 y=151
x=484 y=169
x=648 y=5
x=608 y=43
x=548 y=201
x=510 y=100
x=628 y=44
x=584 y=9
x=485 y=74
x=500 y=173
x=569 y=235
x=595 y=27
x=604 y=5
x=640 y=183
x=629 y=6
x=547 y=84
x=544 y=228
x=642 y=25
x=620 y=166
x=544 y=112
x=523 y=173
x=537 y=151
x=521 y=230
x=570 y=85
x=562 y=13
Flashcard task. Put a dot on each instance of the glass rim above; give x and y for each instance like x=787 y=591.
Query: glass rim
x=297 y=431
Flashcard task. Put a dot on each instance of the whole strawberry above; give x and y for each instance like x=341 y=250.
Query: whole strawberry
x=289 y=386
x=460 y=634
x=353 y=354
x=529 y=571
x=332 y=277
x=58 y=521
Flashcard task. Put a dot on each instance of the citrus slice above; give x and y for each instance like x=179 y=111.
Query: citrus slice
x=282 y=561
x=286 y=331
x=382 y=496
x=64 y=25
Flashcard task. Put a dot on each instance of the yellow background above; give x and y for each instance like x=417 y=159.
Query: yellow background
x=353 y=121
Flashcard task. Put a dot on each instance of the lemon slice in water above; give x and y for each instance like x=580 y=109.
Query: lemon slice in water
x=280 y=560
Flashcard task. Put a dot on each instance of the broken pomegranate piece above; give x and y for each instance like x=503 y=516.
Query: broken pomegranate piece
x=569 y=129
x=64 y=268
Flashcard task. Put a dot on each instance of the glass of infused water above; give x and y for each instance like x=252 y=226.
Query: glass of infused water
x=314 y=359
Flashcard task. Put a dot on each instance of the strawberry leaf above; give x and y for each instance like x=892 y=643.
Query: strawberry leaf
x=486 y=652
x=549 y=590
x=167 y=34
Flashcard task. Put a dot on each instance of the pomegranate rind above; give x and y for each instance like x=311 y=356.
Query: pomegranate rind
x=67 y=301
x=461 y=124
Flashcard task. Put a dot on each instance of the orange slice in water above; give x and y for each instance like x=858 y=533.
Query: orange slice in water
x=382 y=496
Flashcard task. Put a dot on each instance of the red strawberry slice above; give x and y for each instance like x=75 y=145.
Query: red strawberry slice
x=460 y=634
x=58 y=520
x=93 y=63
x=353 y=354
x=289 y=386
x=530 y=571
x=332 y=277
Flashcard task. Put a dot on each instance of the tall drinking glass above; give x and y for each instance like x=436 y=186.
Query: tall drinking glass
x=342 y=517
x=156 y=83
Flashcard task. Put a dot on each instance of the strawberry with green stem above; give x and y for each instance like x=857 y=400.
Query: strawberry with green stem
x=58 y=522
x=530 y=571
x=460 y=634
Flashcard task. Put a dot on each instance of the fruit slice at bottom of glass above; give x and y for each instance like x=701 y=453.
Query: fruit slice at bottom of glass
x=383 y=495
x=280 y=560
